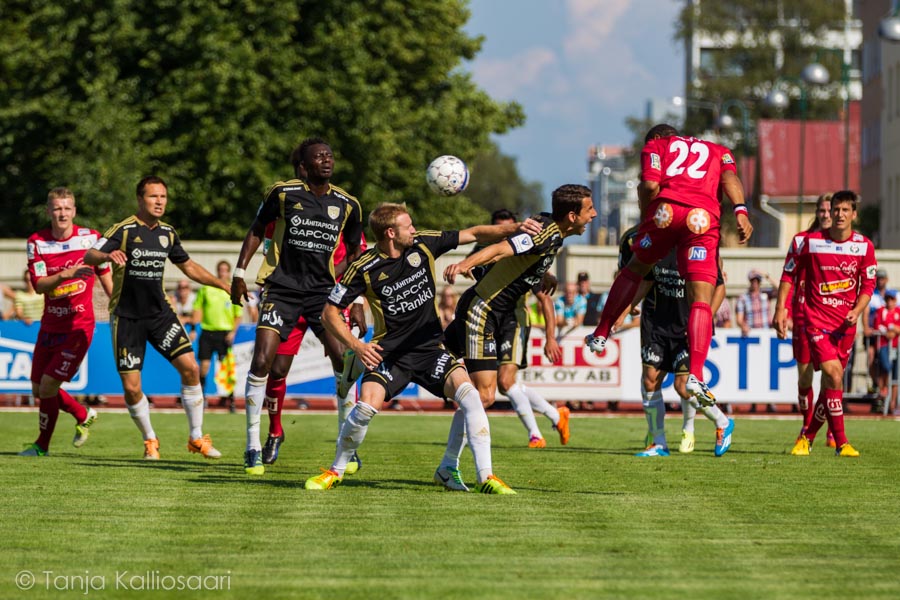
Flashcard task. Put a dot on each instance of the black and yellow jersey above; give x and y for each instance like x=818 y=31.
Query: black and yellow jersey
x=138 y=285
x=401 y=291
x=307 y=231
x=509 y=279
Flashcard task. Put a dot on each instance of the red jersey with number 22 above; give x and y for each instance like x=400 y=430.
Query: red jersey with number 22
x=688 y=170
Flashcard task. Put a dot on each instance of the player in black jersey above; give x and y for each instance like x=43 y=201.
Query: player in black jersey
x=519 y=264
x=397 y=278
x=140 y=310
x=310 y=216
x=664 y=349
x=512 y=343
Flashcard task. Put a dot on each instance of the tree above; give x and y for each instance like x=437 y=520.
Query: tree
x=212 y=96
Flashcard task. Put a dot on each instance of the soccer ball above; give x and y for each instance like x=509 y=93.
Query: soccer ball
x=447 y=175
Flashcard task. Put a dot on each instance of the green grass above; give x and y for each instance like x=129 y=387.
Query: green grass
x=589 y=520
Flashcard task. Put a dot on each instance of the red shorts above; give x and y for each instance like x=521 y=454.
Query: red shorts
x=291 y=346
x=59 y=355
x=694 y=231
x=800 y=343
x=835 y=345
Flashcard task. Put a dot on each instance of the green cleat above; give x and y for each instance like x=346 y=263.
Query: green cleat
x=493 y=485
x=450 y=478
x=253 y=464
x=325 y=481
x=83 y=430
x=34 y=450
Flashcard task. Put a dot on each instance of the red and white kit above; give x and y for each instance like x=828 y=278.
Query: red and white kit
x=797 y=307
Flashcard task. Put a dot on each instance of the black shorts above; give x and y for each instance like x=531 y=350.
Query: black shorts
x=473 y=333
x=213 y=341
x=130 y=336
x=512 y=337
x=281 y=308
x=665 y=353
x=429 y=367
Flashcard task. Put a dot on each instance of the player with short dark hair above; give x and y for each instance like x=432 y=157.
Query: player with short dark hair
x=140 y=311
x=679 y=194
x=56 y=269
x=310 y=216
x=397 y=276
x=838 y=269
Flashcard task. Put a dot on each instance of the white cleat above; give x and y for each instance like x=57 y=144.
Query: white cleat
x=700 y=391
x=83 y=430
x=450 y=478
x=595 y=343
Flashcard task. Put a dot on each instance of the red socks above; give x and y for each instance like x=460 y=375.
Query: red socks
x=275 y=390
x=49 y=413
x=699 y=336
x=71 y=406
x=620 y=296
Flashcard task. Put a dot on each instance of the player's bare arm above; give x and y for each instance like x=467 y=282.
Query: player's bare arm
x=485 y=256
x=369 y=353
x=647 y=193
x=734 y=190
x=488 y=234
x=197 y=273
x=95 y=257
x=251 y=244
x=106 y=282
x=780 y=319
x=551 y=347
x=47 y=284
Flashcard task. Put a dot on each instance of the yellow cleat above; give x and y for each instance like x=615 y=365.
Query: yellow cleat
x=801 y=446
x=325 y=481
x=847 y=450
x=493 y=485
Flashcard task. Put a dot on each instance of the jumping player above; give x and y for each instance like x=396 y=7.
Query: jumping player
x=56 y=269
x=680 y=181
x=838 y=269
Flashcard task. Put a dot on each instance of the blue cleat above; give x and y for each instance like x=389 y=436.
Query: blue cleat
x=653 y=450
x=723 y=438
x=270 y=450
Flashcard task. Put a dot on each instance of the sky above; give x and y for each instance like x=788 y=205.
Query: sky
x=579 y=68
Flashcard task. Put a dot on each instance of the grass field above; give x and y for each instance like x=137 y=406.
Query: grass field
x=589 y=520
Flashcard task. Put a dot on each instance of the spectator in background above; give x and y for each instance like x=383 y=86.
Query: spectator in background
x=887 y=325
x=7 y=309
x=570 y=309
x=722 y=317
x=447 y=305
x=29 y=305
x=752 y=311
x=593 y=302
x=219 y=320
x=183 y=299
x=875 y=304
x=535 y=313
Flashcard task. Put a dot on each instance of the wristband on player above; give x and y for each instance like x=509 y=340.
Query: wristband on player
x=741 y=208
x=238 y=274
x=358 y=300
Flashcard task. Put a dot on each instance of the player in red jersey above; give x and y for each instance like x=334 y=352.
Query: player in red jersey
x=838 y=268
x=887 y=324
x=284 y=358
x=799 y=341
x=57 y=270
x=679 y=194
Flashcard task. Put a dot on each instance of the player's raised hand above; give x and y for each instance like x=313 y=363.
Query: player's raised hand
x=452 y=271
x=530 y=226
x=118 y=257
x=744 y=228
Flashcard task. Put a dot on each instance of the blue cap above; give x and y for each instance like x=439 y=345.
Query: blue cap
x=891 y=293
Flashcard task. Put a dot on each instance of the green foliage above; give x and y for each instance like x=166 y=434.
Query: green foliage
x=213 y=95
x=868 y=221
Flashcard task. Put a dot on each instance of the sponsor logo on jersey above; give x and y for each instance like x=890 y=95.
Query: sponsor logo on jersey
x=138 y=240
x=164 y=241
x=870 y=271
x=790 y=266
x=337 y=292
x=70 y=288
x=99 y=244
x=836 y=287
x=86 y=242
x=727 y=159
x=655 y=162
x=382 y=276
x=414 y=259
x=298 y=206
x=30 y=251
x=40 y=269
x=697 y=253
x=522 y=243
x=855 y=249
x=334 y=211
x=663 y=216
x=848 y=268
x=698 y=220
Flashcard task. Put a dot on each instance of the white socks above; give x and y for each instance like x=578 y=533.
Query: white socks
x=352 y=434
x=456 y=440
x=192 y=402
x=345 y=404
x=522 y=405
x=540 y=405
x=255 y=396
x=655 y=411
x=478 y=430
x=140 y=414
x=689 y=408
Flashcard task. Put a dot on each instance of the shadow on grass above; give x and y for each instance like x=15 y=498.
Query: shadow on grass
x=140 y=463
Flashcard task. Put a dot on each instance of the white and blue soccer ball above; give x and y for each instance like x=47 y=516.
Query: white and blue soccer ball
x=447 y=175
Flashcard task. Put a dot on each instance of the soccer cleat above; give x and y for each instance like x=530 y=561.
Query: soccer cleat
x=270 y=450
x=537 y=442
x=653 y=450
x=700 y=391
x=829 y=441
x=204 y=446
x=562 y=427
x=353 y=465
x=253 y=464
x=34 y=450
x=723 y=438
x=801 y=446
x=687 y=442
x=450 y=478
x=847 y=450
x=325 y=481
x=493 y=485
x=353 y=368
x=151 y=449
x=82 y=430
x=596 y=343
